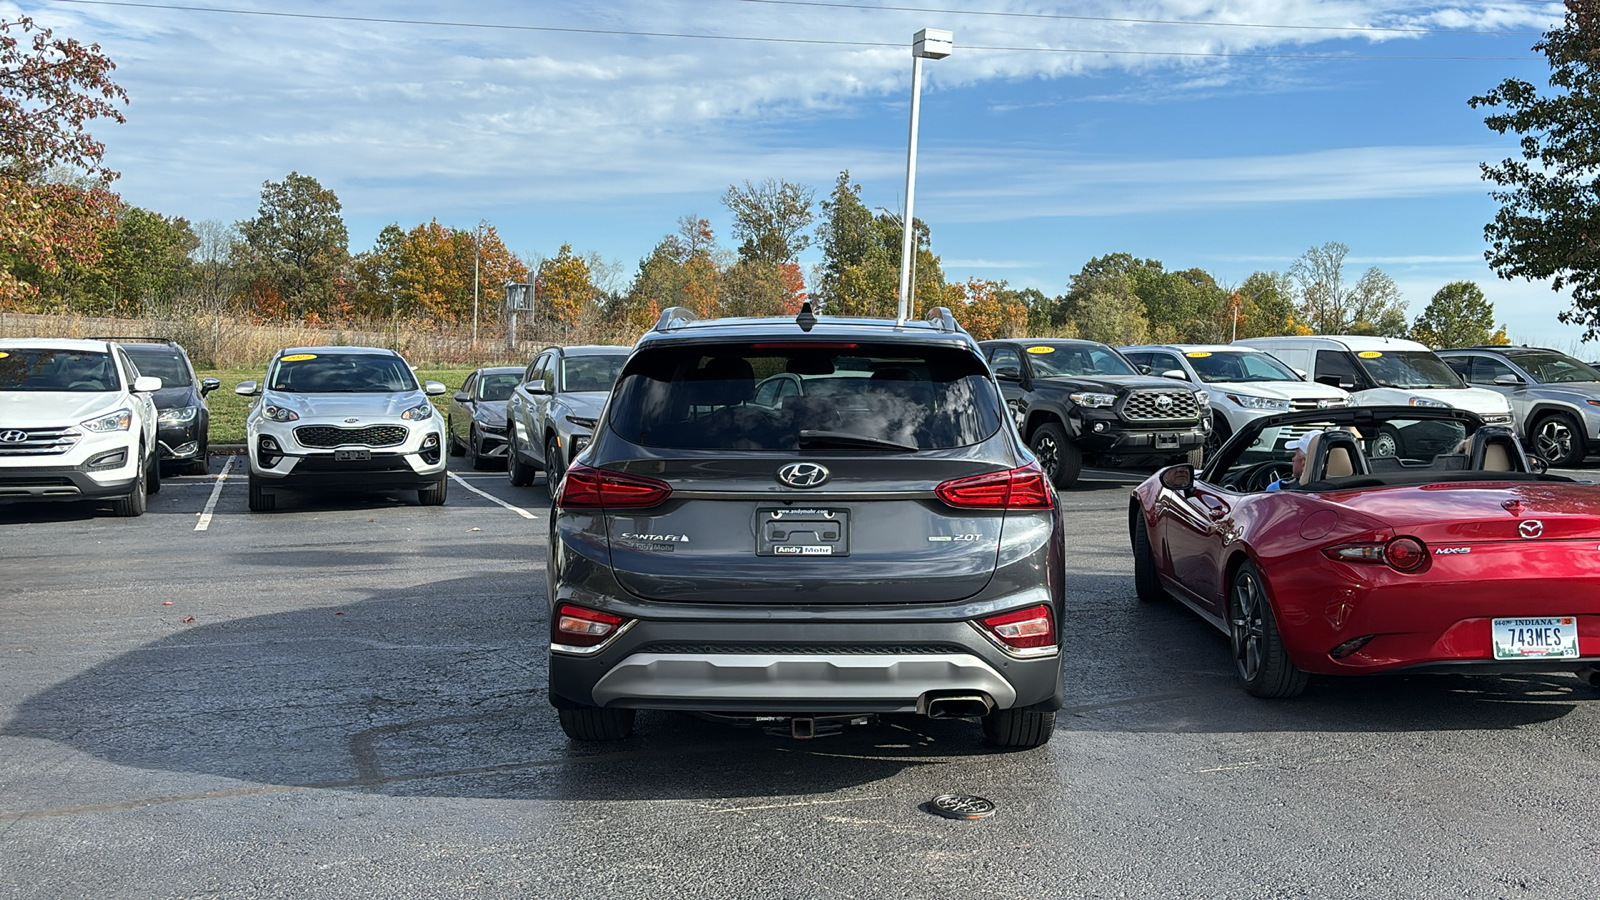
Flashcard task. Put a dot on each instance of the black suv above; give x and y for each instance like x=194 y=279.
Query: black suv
x=1077 y=401
x=183 y=427
x=811 y=520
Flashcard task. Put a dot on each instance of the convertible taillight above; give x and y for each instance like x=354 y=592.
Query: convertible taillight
x=1403 y=554
x=589 y=488
x=1021 y=488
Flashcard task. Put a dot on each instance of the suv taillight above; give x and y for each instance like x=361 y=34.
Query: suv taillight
x=1031 y=629
x=585 y=487
x=574 y=626
x=1022 y=488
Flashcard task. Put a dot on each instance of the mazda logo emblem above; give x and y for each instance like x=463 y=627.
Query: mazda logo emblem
x=1531 y=528
x=803 y=475
x=13 y=437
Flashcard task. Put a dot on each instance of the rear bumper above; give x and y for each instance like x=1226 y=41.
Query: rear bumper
x=834 y=661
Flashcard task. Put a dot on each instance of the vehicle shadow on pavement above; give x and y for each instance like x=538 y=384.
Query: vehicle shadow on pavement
x=437 y=690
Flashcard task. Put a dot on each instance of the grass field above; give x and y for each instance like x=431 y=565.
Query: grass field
x=228 y=409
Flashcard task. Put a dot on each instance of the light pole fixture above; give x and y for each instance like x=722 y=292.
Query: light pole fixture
x=929 y=43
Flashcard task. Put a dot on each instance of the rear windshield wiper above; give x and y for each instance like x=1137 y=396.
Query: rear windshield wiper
x=810 y=438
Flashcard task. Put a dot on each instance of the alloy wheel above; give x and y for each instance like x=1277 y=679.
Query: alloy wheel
x=1048 y=453
x=1554 y=439
x=1247 y=629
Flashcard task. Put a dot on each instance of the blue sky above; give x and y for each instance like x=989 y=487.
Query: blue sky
x=1031 y=161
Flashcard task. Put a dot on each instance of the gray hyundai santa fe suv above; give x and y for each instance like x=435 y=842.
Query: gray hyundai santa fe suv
x=808 y=520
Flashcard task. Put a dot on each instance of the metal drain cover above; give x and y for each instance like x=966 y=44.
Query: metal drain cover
x=961 y=806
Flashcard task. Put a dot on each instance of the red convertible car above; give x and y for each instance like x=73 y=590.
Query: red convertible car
x=1400 y=538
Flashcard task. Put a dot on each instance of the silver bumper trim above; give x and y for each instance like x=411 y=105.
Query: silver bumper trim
x=896 y=681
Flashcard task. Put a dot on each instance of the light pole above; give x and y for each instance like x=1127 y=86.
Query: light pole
x=477 y=241
x=929 y=43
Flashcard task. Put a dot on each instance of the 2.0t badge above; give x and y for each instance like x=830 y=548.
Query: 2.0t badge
x=803 y=475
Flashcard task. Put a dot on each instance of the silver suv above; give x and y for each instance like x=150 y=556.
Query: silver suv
x=875 y=538
x=1554 y=397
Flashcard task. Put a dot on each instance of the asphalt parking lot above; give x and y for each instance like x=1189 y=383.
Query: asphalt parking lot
x=345 y=699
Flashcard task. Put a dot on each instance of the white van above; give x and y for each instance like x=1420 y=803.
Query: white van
x=1380 y=371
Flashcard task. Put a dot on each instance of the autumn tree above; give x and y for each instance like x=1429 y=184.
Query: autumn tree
x=51 y=88
x=1550 y=198
x=297 y=244
x=770 y=219
x=1372 y=305
x=988 y=309
x=1266 y=307
x=860 y=272
x=568 y=296
x=1459 y=315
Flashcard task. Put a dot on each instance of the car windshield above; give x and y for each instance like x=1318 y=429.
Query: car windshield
x=341 y=373
x=498 y=386
x=591 y=373
x=161 y=363
x=1408 y=369
x=41 y=369
x=842 y=397
x=1378 y=446
x=1555 y=368
x=1230 y=365
x=1050 y=360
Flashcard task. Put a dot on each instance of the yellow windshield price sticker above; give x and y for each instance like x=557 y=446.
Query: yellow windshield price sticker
x=1369 y=354
x=3 y=354
x=298 y=357
x=1041 y=349
x=1198 y=354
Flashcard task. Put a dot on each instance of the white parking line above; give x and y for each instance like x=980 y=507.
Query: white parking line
x=216 y=492
x=492 y=498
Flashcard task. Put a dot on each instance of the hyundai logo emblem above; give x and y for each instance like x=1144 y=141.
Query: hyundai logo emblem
x=1531 y=528
x=13 y=437
x=803 y=475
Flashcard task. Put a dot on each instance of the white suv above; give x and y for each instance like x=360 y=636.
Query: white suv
x=342 y=419
x=76 y=423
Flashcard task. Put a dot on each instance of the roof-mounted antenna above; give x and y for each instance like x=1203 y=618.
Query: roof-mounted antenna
x=807 y=319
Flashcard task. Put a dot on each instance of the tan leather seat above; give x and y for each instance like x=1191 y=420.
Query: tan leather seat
x=1339 y=463
x=1496 y=459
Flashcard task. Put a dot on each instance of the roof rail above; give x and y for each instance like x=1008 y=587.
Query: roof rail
x=130 y=339
x=674 y=317
x=943 y=320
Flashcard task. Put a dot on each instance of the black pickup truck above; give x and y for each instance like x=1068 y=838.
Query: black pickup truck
x=1081 y=401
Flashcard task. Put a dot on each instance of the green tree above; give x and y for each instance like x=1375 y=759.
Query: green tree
x=857 y=276
x=770 y=219
x=1266 y=307
x=1550 y=198
x=1112 y=314
x=1459 y=315
x=145 y=261
x=297 y=244
x=1372 y=305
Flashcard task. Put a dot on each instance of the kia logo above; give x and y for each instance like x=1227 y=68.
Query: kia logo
x=13 y=437
x=1531 y=528
x=351 y=421
x=803 y=475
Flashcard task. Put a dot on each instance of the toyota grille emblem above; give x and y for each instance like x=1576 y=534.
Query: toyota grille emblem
x=1531 y=528
x=13 y=437
x=1163 y=401
x=803 y=475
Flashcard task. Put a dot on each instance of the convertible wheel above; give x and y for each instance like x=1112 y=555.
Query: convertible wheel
x=1060 y=459
x=1557 y=440
x=1145 y=581
x=1258 y=655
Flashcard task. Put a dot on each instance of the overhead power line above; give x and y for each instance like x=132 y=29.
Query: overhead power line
x=1383 y=29
x=554 y=29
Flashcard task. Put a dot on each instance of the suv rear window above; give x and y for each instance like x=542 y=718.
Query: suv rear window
x=794 y=397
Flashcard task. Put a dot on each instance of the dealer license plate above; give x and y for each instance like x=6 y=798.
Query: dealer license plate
x=1166 y=442
x=1549 y=637
x=352 y=454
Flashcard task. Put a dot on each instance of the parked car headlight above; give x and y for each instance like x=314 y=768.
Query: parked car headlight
x=580 y=421
x=418 y=413
x=178 y=415
x=1424 y=401
x=121 y=420
x=1094 y=401
x=1202 y=398
x=281 y=414
x=1267 y=403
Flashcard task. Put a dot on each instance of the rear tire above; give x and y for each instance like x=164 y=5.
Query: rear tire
x=591 y=723
x=1060 y=459
x=1019 y=729
x=434 y=494
x=450 y=437
x=554 y=468
x=1146 y=583
x=1260 y=661
x=133 y=505
x=520 y=473
x=261 y=500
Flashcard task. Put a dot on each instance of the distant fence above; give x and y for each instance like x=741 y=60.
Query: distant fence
x=225 y=342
